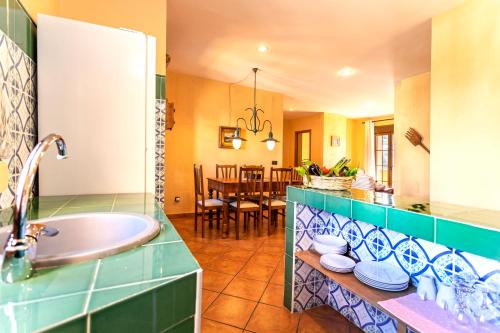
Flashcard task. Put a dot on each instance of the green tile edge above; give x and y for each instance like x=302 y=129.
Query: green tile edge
x=418 y=225
x=160 y=81
x=482 y=242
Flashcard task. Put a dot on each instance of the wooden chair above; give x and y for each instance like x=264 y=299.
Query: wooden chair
x=249 y=197
x=275 y=203
x=295 y=176
x=225 y=171
x=206 y=205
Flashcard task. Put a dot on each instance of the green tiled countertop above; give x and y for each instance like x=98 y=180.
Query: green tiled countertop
x=150 y=288
x=465 y=228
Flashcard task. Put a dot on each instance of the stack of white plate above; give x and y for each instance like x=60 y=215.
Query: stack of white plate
x=324 y=244
x=381 y=275
x=337 y=263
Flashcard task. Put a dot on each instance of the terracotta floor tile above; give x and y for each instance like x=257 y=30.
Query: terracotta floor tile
x=210 y=326
x=230 y=310
x=226 y=266
x=278 y=277
x=272 y=249
x=324 y=311
x=204 y=259
x=267 y=318
x=245 y=288
x=214 y=249
x=312 y=324
x=259 y=272
x=207 y=297
x=273 y=295
x=215 y=281
x=275 y=242
x=264 y=259
x=238 y=255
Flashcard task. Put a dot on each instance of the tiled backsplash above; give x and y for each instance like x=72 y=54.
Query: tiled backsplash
x=309 y=287
x=18 y=115
x=160 y=139
x=17 y=24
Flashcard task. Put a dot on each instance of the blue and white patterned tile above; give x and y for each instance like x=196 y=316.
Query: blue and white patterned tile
x=483 y=267
x=432 y=250
x=338 y=299
x=303 y=297
x=317 y=224
x=366 y=228
x=304 y=216
x=321 y=292
x=350 y=315
x=326 y=218
x=5 y=61
x=442 y=274
x=355 y=230
x=303 y=239
x=363 y=316
x=342 y=225
x=389 y=326
x=394 y=237
x=362 y=251
x=305 y=273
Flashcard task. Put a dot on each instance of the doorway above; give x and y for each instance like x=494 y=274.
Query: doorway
x=302 y=146
x=384 y=154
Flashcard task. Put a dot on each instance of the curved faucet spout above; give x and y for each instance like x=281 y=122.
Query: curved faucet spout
x=17 y=262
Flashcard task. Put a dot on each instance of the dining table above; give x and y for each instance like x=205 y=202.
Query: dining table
x=227 y=187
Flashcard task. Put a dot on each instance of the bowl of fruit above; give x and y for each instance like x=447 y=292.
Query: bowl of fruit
x=337 y=178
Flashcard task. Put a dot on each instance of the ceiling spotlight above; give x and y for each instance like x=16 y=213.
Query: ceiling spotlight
x=263 y=48
x=346 y=71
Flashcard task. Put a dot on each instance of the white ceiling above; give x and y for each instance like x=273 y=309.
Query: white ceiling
x=309 y=41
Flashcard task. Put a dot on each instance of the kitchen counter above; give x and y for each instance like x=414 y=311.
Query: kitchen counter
x=464 y=228
x=152 y=288
x=417 y=236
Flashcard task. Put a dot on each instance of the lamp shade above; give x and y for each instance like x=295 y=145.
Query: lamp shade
x=237 y=139
x=270 y=141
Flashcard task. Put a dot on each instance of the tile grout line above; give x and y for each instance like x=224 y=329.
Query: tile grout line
x=92 y=285
x=61 y=207
x=162 y=243
x=114 y=202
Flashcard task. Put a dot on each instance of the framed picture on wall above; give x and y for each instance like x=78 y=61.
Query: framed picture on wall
x=226 y=137
x=335 y=141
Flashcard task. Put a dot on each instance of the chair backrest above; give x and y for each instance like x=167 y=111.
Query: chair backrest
x=279 y=180
x=226 y=170
x=199 y=192
x=250 y=184
x=295 y=175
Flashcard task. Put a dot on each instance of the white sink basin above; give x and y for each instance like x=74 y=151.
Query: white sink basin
x=89 y=236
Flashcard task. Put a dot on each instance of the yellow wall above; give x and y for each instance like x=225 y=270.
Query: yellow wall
x=33 y=7
x=465 y=105
x=412 y=109
x=202 y=105
x=150 y=17
x=334 y=125
x=315 y=123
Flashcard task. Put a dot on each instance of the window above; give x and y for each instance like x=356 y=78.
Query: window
x=384 y=154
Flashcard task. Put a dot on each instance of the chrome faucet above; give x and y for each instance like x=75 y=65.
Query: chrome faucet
x=20 y=248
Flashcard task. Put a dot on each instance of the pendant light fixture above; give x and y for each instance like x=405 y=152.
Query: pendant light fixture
x=254 y=123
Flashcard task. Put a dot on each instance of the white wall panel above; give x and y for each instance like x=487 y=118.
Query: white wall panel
x=96 y=89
